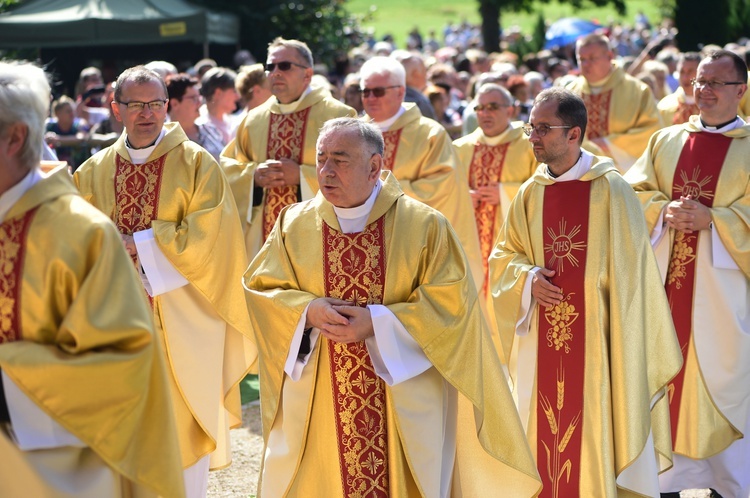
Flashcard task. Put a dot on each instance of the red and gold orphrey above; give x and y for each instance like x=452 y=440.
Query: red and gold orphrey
x=562 y=341
x=485 y=169
x=696 y=175
x=12 y=251
x=286 y=140
x=354 y=269
x=597 y=107
x=391 y=139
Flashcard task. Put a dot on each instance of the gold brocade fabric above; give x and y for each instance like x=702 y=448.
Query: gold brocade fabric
x=12 y=250
x=597 y=107
x=242 y=156
x=286 y=135
x=196 y=226
x=426 y=168
x=137 y=192
x=391 y=139
x=87 y=354
x=430 y=292
x=673 y=108
x=714 y=413
x=630 y=344
x=632 y=117
x=354 y=271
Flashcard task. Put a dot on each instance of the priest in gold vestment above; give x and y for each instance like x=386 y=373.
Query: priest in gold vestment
x=271 y=162
x=419 y=152
x=496 y=158
x=174 y=209
x=378 y=376
x=622 y=112
x=84 y=407
x=677 y=107
x=583 y=317
x=694 y=185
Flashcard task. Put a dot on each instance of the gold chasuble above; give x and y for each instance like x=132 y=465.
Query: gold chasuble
x=76 y=336
x=622 y=110
x=589 y=374
x=354 y=270
x=267 y=133
x=707 y=278
x=181 y=193
x=418 y=151
x=340 y=430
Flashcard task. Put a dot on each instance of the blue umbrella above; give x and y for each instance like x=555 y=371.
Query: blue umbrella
x=567 y=30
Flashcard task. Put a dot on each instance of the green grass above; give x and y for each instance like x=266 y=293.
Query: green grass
x=249 y=389
x=398 y=17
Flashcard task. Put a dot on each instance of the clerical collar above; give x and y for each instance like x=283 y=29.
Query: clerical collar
x=139 y=156
x=364 y=209
x=385 y=125
x=597 y=87
x=723 y=127
x=9 y=198
x=585 y=159
x=292 y=106
x=492 y=141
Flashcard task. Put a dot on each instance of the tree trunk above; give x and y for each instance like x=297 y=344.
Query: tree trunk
x=490 y=12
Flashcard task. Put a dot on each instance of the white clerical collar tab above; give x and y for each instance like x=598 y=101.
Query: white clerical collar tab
x=364 y=209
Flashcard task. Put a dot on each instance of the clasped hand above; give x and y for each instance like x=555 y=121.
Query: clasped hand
x=339 y=321
x=687 y=215
x=277 y=173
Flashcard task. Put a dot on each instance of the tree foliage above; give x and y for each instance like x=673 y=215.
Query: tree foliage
x=490 y=11
x=325 y=25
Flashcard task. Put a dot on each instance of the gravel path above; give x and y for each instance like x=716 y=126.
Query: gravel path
x=241 y=478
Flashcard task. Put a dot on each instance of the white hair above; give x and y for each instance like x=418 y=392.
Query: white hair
x=386 y=66
x=24 y=98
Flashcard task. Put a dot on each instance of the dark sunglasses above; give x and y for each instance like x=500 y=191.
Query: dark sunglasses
x=377 y=92
x=283 y=66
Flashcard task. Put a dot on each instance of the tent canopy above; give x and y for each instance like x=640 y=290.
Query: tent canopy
x=72 y=23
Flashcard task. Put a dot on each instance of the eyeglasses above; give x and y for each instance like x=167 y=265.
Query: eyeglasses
x=492 y=106
x=377 y=92
x=194 y=98
x=283 y=66
x=541 y=129
x=713 y=85
x=135 y=106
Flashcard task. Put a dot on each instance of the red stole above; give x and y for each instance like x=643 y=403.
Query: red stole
x=354 y=268
x=391 y=139
x=696 y=175
x=486 y=167
x=597 y=107
x=562 y=340
x=12 y=252
x=286 y=140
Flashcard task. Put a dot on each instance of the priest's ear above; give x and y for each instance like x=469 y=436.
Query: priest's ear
x=375 y=164
x=575 y=136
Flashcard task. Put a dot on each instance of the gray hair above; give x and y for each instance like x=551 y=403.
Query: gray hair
x=384 y=65
x=24 y=98
x=216 y=78
x=368 y=133
x=300 y=47
x=138 y=75
x=494 y=87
